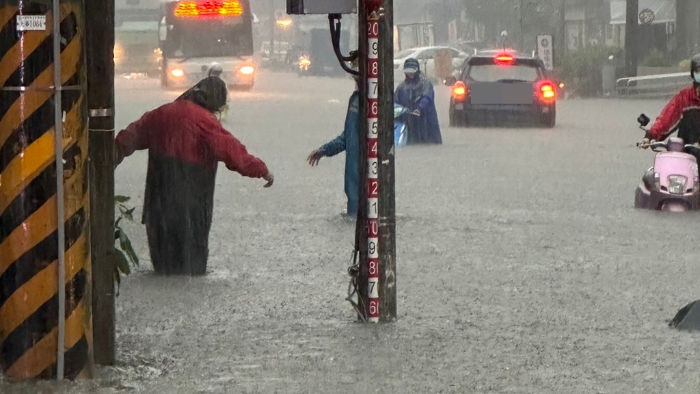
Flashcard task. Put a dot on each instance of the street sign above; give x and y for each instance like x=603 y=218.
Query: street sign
x=545 y=50
x=31 y=22
x=302 y=7
x=646 y=16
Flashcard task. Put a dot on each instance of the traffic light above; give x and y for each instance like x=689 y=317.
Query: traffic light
x=302 y=7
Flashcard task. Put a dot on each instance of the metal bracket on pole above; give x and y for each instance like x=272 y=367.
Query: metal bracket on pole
x=102 y=113
x=58 y=127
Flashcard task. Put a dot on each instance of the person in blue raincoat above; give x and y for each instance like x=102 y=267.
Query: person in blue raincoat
x=416 y=93
x=349 y=142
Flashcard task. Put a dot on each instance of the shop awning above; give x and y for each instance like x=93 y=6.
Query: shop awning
x=664 y=11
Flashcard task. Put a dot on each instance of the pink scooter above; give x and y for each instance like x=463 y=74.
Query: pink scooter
x=672 y=184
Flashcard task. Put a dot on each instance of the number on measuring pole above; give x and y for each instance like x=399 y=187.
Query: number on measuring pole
x=374 y=109
x=373 y=208
x=373 y=229
x=373 y=309
x=373 y=88
x=373 y=168
x=372 y=248
x=373 y=268
x=373 y=48
x=373 y=29
x=374 y=148
x=373 y=69
x=373 y=287
x=373 y=128
x=373 y=188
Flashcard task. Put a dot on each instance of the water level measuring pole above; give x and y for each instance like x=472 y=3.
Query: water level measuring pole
x=380 y=255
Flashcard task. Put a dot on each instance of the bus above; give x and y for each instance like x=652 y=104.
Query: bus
x=193 y=34
x=136 y=37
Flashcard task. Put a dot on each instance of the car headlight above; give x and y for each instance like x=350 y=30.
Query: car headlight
x=247 y=70
x=676 y=184
x=118 y=53
x=177 y=73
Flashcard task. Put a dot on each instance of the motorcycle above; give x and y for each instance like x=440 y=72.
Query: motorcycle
x=400 y=126
x=672 y=184
x=304 y=64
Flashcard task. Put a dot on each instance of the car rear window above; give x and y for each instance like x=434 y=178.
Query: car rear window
x=495 y=73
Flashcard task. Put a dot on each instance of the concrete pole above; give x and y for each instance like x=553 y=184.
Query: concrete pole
x=100 y=69
x=631 y=36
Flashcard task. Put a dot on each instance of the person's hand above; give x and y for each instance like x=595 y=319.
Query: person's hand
x=270 y=178
x=315 y=157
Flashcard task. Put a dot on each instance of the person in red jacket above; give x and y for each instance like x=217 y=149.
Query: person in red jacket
x=185 y=142
x=682 y=113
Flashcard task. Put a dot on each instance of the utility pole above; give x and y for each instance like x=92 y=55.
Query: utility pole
x=273 y=22
x=377 y=280
x=45 y=273
x=631 y=34
x=100 y=64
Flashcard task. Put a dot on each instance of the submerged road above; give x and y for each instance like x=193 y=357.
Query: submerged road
x=522 y=265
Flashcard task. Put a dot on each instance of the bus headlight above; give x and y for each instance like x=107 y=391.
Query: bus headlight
x=247 y=70
x=177 y=73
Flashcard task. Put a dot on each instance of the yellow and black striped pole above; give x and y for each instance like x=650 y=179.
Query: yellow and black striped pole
x=41 y=337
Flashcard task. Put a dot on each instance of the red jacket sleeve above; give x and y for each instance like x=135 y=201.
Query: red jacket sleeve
x=226 y=148
x=669 y=118
x=134 y=137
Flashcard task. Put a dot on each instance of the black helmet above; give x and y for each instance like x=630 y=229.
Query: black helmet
x=694 y=66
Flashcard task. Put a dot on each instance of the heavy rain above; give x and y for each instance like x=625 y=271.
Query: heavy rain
x=545 y=239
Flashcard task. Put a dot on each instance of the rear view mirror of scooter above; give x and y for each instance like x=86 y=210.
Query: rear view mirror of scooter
x=643 y=120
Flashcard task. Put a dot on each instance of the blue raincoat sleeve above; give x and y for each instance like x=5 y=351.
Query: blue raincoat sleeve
x=335 y=146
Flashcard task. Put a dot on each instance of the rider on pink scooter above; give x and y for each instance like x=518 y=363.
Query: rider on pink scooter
x=682 y=112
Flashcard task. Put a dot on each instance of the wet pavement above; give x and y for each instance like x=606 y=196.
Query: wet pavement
x=522 y=266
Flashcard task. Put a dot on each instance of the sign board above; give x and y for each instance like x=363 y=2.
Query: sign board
x=31 y=22
x=303 y=7
x=646 y=16
x=545 y=50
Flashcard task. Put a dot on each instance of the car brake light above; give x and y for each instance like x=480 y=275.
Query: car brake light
x=504 y=60
x=460 y=91
x=189 y=9
x=546 y=90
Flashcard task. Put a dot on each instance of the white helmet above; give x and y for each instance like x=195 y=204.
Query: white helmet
x=215 y=70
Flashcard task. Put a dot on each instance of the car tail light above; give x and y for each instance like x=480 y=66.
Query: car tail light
x=504 y=59
x=460 y=91
x=189 y=9
x=546 y=91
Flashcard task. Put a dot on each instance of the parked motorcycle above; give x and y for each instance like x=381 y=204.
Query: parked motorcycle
x=672 y=184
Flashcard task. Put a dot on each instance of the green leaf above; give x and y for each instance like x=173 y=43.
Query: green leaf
x=125 y=244
x=122 y=263
x=130 y=214
x=121 y=199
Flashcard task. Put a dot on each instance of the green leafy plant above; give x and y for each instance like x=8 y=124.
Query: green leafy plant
x=658 y=58
x=125 y=254
x=581 y=69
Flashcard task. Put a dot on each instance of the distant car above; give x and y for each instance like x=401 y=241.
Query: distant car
x=502 y=86
x=426 y=58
